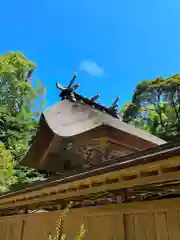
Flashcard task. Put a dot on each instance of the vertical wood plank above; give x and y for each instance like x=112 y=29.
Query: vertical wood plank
x=129 y=227
x=139 y=227
x=161 y=226
x=120 y=230
x=178 y=217
x=2 y=231
x=105 y=227
x=149 y=226
x=6 y=231
x=173 y=225
x=72 y=225
x=38 y=226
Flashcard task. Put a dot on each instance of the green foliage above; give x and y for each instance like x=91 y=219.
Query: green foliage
x=17 y=100
x=20 y=105
x=155 y=107
x=59 y=227
x=7 y=172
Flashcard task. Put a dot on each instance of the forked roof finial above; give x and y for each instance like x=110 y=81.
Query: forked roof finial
x=70 y=94
x=114 y=107
x=67 y=92
x=94 y=98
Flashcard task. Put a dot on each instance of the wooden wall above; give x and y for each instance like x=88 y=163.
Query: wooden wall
x=158 y=220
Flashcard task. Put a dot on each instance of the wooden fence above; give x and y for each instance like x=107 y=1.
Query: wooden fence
x=127 y=221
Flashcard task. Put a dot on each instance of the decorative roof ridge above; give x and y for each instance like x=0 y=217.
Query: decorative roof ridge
x=69 y=93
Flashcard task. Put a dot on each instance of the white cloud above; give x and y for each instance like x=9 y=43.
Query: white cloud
x=92 y=68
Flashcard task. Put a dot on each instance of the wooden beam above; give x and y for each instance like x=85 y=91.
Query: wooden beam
x=166 y=171
x=66 y=194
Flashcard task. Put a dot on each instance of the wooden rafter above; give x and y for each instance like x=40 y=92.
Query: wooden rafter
x=145 y=176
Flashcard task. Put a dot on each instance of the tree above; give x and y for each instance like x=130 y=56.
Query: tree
x=7 y=172
x=18 y=107
x=17 y=100
x=155 y=107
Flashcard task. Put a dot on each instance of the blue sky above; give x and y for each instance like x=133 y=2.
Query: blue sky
x=111 y=44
